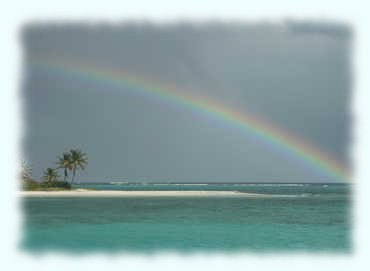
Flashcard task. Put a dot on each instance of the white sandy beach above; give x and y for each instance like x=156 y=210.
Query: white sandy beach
x=110 y=193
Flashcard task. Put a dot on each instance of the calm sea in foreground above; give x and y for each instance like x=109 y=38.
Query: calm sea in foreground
x=304 y=217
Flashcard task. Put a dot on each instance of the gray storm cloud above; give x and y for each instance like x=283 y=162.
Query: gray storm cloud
x=296 y=75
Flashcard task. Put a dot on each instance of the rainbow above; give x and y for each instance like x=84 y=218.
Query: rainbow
x=274 y=137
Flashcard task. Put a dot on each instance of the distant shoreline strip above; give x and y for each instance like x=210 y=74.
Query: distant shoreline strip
x=115 y=193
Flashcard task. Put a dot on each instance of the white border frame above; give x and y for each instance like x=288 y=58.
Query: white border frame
x=16 y=13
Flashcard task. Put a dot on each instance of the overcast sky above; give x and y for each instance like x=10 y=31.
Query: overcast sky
x=295 y=75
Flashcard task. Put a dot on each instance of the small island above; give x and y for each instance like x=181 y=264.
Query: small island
x=74 y=160
x=69 y=162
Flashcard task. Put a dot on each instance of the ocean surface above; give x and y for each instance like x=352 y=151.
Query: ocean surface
x=298 y=218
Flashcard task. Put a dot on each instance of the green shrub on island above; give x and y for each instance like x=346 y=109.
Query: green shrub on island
x=55 y=184
x=29 y=185
x=32 y=185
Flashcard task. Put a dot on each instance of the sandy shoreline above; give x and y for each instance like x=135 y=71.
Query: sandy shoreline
x=110 y=193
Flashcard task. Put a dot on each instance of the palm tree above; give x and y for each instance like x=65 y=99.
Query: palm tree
x=65 y=162
x=50 y=174
x=78 y=161
x=26 y=170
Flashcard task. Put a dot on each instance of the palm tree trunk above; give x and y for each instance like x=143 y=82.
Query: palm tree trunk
x=74 y=175
x=65 y=174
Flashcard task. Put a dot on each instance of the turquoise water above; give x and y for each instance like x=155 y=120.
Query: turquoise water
x=316 y=219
